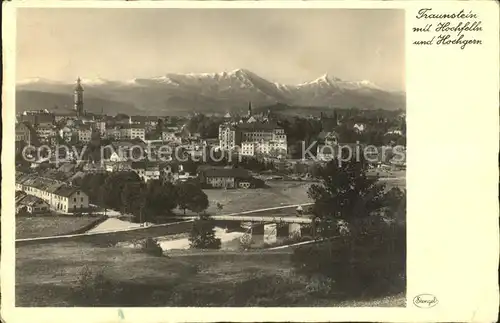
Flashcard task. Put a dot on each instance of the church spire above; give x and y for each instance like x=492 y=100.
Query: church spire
x=78 y=98
x=78 y=86
x=250 y=108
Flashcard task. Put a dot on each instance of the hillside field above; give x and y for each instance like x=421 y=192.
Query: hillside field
x=47 y=275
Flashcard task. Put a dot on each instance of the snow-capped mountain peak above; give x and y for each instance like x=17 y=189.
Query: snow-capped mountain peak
x=35 y=80
x=323 y=79
x=326 y=80
x=240 y=71
x=94 y=81
x=361 y=84
x=224 y=91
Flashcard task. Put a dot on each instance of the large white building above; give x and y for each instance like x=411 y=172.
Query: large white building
x=100 y=126
x=44 y=132
x=84 y=133
x=171 y=136
x=133 y=132
x=229 y=137
x=253 y=138
x=113 y=133
x=146 y=171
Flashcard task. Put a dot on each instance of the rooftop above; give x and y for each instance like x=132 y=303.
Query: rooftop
x=226 y=172
x=30 y=200
x=327 y=134
x=83 y=127
x=205 y=167
x=257 y=126
x=132 y=126
x=66 y=190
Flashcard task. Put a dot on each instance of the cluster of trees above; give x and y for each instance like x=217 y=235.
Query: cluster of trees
x=378 y=123
x=127 y=193
x=156 y=133
x=147 y=202
x=207 y=127
x=300 y=131
x=375 y=134
x=368 y=253
x=347 y=197
x=21 y=162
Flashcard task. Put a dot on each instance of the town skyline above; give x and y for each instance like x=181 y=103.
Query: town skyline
x=293 y=40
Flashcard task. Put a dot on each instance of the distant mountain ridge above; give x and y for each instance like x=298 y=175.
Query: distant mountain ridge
x=214 y=93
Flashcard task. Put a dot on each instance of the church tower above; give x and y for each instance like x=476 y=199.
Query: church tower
x=78 y=98
x=249 y=109
x=335 y=117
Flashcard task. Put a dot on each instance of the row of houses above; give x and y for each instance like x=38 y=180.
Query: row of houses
x=84 y=133
x=44 y=126
x=373 y=155
x=46 y=118
x=209 y=176
x=58 y=195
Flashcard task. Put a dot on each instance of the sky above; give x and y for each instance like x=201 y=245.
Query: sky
x=289 y=46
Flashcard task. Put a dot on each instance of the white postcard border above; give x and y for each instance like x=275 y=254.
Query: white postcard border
x=453 y=247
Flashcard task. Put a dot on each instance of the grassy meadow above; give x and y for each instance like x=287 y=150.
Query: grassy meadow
x=51 y=275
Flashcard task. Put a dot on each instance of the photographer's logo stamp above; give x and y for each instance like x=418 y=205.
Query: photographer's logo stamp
x=425 y=301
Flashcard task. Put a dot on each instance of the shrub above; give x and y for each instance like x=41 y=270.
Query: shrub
x=92 y=287
x=320 y=286
x=258 y=183
x=202 y=234
x=152 y=247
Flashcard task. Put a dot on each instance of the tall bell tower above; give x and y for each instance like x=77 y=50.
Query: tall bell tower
x=78 y=98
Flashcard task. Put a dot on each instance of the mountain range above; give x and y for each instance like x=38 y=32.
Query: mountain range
x=206 y=93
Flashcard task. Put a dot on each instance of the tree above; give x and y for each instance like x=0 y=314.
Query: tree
x=92 y=184
x=160 y=198
x=190 y=166
x=207 y=127
x=369 y=259
x=132 y=199
x=315 y=170
x=159 y=126
x=202 y=234
x=345 y=197
x=191 y=196
x=198 y=202
x=183 y=195
x=121 y=116
x=156 y=133
x=115 y=184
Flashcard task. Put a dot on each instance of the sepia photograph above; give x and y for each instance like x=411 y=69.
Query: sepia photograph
x=210 y=158
x=250 y=161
